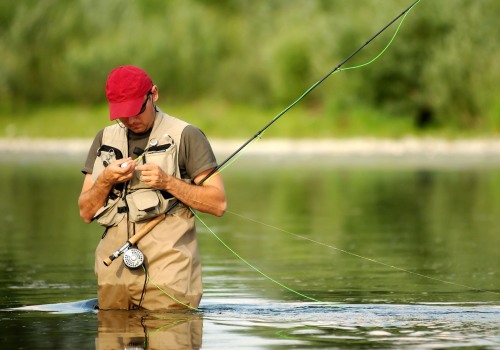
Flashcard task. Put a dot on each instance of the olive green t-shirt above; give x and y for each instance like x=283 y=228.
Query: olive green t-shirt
x=195 y=153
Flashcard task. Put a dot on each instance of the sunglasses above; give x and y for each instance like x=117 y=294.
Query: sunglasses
x=143 y=107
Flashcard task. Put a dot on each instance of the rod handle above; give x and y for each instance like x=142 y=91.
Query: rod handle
x=146 y=228
x=107 y=261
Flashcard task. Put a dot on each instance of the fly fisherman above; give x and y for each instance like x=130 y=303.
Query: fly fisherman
x=135 y=171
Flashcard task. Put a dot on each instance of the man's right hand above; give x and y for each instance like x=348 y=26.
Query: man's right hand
x=119 y=171
x=94 y=194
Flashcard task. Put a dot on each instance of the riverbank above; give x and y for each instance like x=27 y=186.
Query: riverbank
x=333 y=147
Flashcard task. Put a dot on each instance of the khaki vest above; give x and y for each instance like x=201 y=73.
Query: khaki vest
x=137 y=199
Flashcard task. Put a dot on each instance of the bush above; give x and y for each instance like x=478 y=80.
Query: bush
x=442 y=69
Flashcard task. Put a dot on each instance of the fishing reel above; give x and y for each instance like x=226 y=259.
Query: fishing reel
x=133 y=258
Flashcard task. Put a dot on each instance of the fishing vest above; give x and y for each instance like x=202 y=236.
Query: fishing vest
x=135 y=198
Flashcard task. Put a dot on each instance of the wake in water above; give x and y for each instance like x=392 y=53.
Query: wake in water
x=76 y=307
x=310 y=324
x=433 y=325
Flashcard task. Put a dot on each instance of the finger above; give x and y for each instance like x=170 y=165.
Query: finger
x=143 y=167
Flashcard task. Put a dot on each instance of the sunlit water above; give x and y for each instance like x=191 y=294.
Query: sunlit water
x=394 y=255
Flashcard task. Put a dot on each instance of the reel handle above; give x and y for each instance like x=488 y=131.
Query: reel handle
x=135 y=238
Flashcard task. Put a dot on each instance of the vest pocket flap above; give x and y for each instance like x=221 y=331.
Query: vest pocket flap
x=144 y=200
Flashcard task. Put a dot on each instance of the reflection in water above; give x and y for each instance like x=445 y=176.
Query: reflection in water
x=136 y=329
x=148 y=330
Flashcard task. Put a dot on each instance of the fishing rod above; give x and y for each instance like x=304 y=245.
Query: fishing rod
x=319 y=82
x=128 y=244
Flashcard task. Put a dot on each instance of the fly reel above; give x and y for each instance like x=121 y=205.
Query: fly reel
x=133 y=258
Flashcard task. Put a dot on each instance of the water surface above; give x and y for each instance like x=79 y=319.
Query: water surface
x=399 y=255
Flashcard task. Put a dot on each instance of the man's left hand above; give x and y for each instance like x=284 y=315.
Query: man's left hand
x=153 y=176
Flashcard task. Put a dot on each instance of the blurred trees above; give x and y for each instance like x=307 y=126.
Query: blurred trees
x=443 y=67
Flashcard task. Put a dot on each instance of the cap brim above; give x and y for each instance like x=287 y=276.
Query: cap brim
x=125 y=109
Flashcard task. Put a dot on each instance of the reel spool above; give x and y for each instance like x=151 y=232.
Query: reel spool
x=133 y=258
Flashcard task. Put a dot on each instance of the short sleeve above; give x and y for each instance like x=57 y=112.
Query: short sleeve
x=195 y=153
x=96 y=144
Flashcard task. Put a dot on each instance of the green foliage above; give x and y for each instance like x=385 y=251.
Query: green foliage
x=442 y=69
x=445 y=67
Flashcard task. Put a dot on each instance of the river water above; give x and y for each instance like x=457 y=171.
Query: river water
x=313 y=253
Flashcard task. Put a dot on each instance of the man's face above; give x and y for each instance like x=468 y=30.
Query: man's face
x=143 y=121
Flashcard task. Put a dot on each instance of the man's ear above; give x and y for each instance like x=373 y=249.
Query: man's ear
x=154 y=93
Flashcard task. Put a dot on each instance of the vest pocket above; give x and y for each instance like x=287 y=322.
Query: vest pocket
x=145 y=204
x=110 y=214
x=165 y=156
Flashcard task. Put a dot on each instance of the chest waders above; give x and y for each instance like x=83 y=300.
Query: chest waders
x=170 y=248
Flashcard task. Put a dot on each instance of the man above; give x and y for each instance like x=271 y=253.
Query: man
x=148 y=164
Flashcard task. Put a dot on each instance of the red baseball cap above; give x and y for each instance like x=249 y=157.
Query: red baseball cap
x=126 y=88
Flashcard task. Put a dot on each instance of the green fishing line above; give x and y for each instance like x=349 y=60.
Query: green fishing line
x=385 y=48
x=167 y=293
x=253 y=267
x=233 y=157
x=225 y=164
